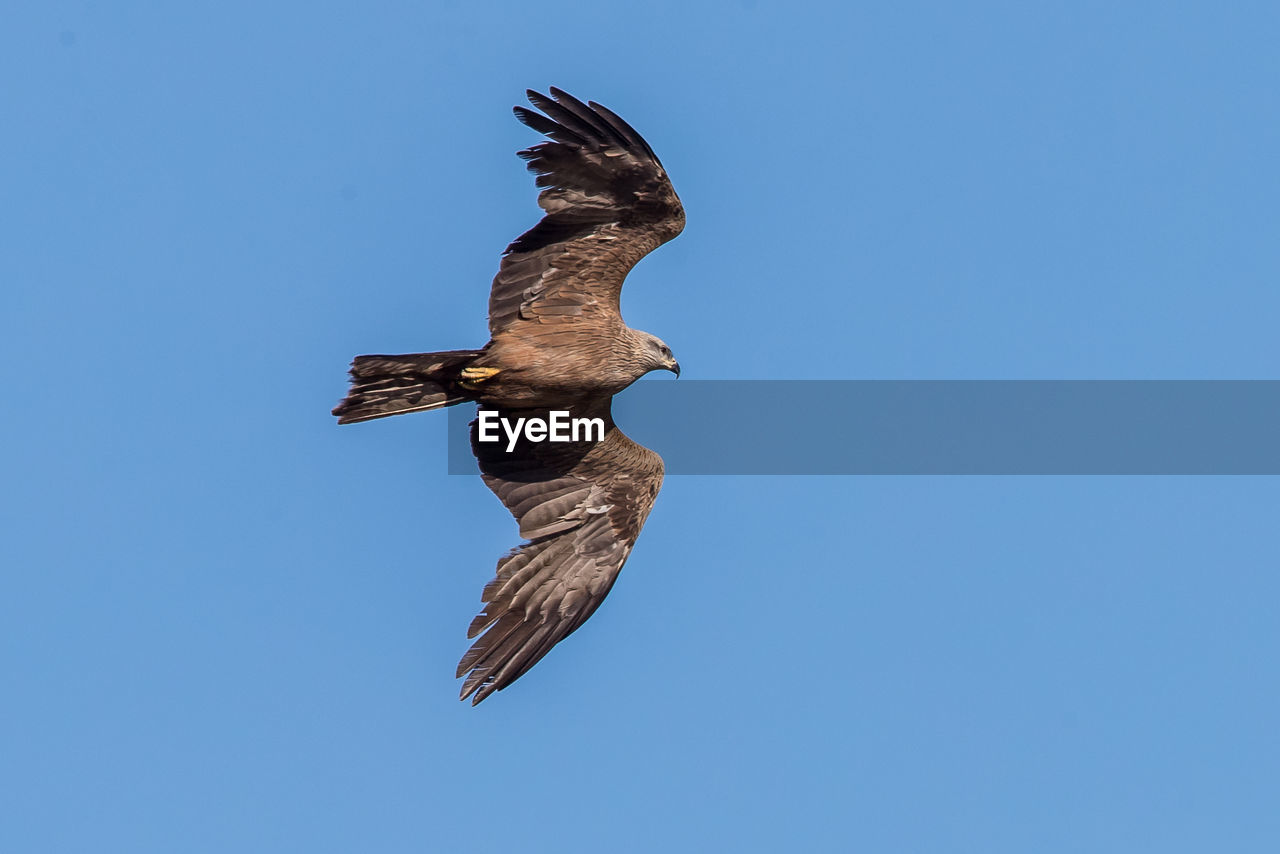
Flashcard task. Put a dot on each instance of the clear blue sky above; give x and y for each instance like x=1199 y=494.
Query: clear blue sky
x=228 y=625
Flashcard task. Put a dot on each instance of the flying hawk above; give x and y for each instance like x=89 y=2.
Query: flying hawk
x=557 y=342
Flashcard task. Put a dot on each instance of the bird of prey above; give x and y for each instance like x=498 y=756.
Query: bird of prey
x=557 y=342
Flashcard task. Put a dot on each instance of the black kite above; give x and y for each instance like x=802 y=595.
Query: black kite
x=557 y=341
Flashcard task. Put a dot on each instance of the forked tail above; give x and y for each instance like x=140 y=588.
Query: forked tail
x=390 y=385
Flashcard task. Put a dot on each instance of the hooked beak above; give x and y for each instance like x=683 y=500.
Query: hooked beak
x=675 y=368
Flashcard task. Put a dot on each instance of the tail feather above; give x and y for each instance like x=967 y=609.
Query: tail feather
x=391 y=385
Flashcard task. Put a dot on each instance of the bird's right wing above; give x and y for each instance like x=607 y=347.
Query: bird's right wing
x=581 y=506
x=608 y=203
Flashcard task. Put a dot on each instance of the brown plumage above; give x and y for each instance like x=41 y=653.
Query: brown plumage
x=557 y=341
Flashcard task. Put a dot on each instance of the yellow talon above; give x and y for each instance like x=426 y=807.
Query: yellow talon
x=478 y=375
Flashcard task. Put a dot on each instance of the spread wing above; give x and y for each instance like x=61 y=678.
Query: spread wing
x=608 y=203
x=581 y=506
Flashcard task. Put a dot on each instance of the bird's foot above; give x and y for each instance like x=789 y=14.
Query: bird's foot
x=471 y=376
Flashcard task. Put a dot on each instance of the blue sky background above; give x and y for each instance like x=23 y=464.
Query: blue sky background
x=228 y=625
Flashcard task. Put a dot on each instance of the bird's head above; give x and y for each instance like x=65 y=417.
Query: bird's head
x=657 y=355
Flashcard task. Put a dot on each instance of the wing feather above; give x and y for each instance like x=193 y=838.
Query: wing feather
x=577 y=121
x=608 y=203
x=581 y=506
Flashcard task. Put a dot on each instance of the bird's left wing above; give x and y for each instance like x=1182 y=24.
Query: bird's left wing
x=581 y=506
